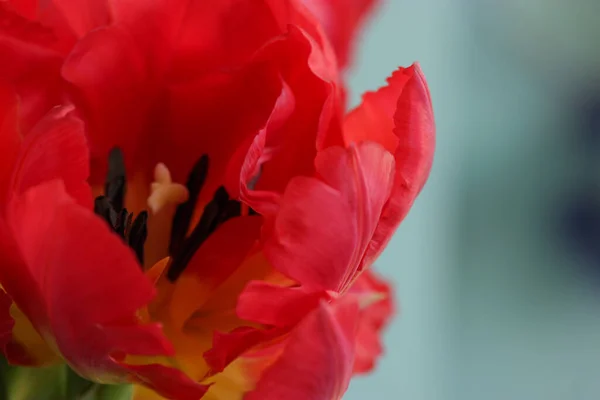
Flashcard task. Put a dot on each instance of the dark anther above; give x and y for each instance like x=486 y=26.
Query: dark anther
x=230 y=210
x=110 y=207
x=138 y=235
x=121 y=222
x=183 y=214
x=115 y=185
x=216 y=212
x=103 y=208
x=128 y=222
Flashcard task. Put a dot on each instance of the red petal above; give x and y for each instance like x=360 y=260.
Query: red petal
x=55 y=149
x=314 y=234
x=280 y=306
x=373 y=119
x=231 y=31
x=64 y=246
x=323 y=228
x=9 y=137
x=341 y=20
x=293 y=144
x=406 y=102
x=27 y=8
x=105 y=62
x=66 y=249
x=264 y=202
x=83 y=16
x=364 y=174
x=229 y=346
x=33 y=69
x=317 y=361
x=159 y=91
x=168 y=382
x=199 y=116
x=376 y=312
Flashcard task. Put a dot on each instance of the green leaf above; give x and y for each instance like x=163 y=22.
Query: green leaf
x=76 y=387
x=36 y=383
x=51 y=383
x=112 y=392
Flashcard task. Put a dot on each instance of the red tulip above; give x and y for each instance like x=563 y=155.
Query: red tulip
x=254 y=269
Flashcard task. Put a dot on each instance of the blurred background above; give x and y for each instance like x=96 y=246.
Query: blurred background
x=497 y=267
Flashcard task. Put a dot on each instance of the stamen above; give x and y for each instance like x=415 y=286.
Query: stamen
x=121 y=222
x=138 y=235
x=110 y=207
x=216 y=212
x=128 y=222
x=231 y=209
x=115 y=185
x=183 y=215
x=103 y=208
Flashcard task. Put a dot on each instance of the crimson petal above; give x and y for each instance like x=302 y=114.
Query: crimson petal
x=317 y=361
x=399 y=116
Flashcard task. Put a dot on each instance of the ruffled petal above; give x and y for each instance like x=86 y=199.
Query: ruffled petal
x=399 y=117
x=227 y=347
x=364 y=173
x=292 y=145
x=316 y=362
x=314 y=234
x=377 y=309
x=66 y=249
x=324 y=226
x=60 y=263
x=55 y=149
x=264 y=202
x=276 y=305
x=63 y=246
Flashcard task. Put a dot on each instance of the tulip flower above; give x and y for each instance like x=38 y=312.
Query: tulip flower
x=183 y=203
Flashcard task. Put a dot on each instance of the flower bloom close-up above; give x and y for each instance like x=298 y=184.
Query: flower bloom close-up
x=186 y=205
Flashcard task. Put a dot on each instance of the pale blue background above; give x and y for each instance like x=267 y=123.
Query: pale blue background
x=494 y=306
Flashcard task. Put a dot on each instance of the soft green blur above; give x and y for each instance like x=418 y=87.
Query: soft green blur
x=54 y=383
x=494 y=304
